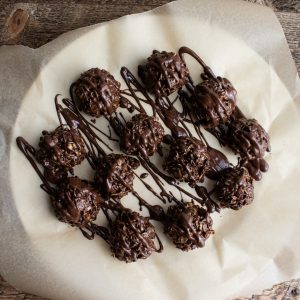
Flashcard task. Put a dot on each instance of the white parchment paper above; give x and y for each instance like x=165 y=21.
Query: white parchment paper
x=251 y=249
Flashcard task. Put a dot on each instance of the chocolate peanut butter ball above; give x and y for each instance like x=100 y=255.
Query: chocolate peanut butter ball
x=248 y=138
x=163 y=73
x=187 y=160
x=76 y=202
x=142 y=135
x=214 y=100
x=97 y=92
x=60 y=151
x=132 y=237
x=188 y=225
x=114 y=176
x=235 y=188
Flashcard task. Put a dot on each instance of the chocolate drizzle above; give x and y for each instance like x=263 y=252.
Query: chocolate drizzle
x=162 y=109
x=142 y=134
x=188 y=226
x=235 y=188
x=76 y=202
x=163 y=73
x=114 y=176
x=97 y=92
x=59 y=151
x=132 y=237
x=187 y=160
x=211 y=103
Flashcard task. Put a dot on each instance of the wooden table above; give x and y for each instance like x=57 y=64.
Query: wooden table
x=34 y=23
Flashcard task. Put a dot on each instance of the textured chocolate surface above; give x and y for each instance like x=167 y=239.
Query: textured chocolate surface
x=235 y=188
x=248 y=138
x=76 y=202
x=187 y=160
x=214 y=101
x=188 y=225
x=132 y=237
x=59 y=151
x=114 y=176
x=163 y=73
x=142 y=135
x=212 y=104
x=97 y=92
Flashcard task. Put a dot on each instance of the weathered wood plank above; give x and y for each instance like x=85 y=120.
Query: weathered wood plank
x=290 y=23
x=31 y=23
x=34 y=23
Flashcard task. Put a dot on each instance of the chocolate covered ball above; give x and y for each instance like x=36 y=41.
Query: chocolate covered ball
x=142 y=135
x=235 y=188
x=132 y=237
x=97 y=92
x=76 y=202
x=187 y=160
x=248 y=138
x=114 y=176
x=60 y=151
x=214 y=101
x=188 y=225
x=163 y=73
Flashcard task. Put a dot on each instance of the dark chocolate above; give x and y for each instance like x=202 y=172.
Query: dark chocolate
x=214 y=101
x=97 y=92
x=142 y=135
x=163 y=73
x=114 y=176
x=188 y=225
x=248 y=138
x=132 y=237
x=76 y=202
x=235 y=188
x=212 y=104
x=216 y=164
x=60 y=151
x=187 y=160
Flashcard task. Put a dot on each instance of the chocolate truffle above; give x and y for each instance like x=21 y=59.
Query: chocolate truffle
x=132 y=236
x=235 y=188
x=187 y=160
x=97 y=92
x=163 y=73
x=214 y=100
x=248 y=138
x=114 y=176
x=76 y=202
x=60 y=151
x=142 y=135
x=188 y=225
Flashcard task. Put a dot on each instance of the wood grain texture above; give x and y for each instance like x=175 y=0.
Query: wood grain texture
x=290 y=22
x=34 y=23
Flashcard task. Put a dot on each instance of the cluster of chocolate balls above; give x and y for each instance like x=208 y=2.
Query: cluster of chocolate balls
x=212 y=104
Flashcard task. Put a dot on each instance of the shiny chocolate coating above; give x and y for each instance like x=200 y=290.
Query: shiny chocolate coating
x=132 y=236
x=235 y=188
x=214 y=101
x=163 y=73
x=76 y=202
x=60 y=151
x=114 y=176
x=142 y=135
x=188 y=225
x=97 y=92
x=187 y=160
x=248 y=138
